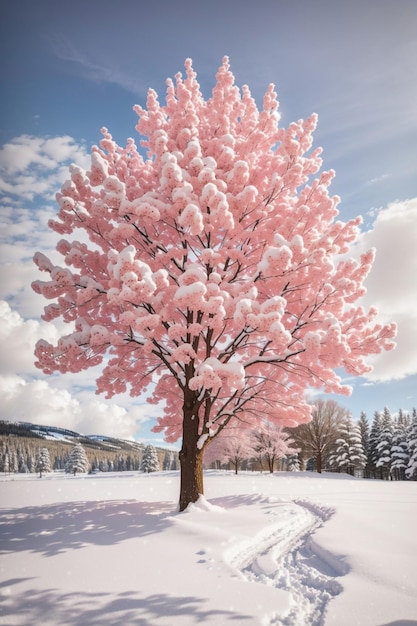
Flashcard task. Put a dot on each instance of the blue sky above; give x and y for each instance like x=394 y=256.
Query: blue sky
x=70 y=68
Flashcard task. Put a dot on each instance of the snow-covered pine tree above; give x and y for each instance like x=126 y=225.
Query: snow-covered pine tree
x=150 y=461
x=13 y=464
x=364 y=430
x=120 y=464
x=30 y=462
x=411 y=471
x=404 y=418
x=374 y=436
x=167 y=461
x=338 y=459
x=399 y=449
x=384 y=445
x=4 y=467
x=293 y=463
x=43 y=462
x=349 y=455
x=23 y=468
x=78 y=461
x=357 y=452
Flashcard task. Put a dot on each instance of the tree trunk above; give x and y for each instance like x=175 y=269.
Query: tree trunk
x=191 y=458
x=192 y=488
x=318 y=458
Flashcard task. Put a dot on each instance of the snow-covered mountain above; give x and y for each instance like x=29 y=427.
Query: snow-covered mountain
x=64 y=435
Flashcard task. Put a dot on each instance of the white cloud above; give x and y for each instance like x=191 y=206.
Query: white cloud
x=26 y=151
x=63 y=400
x=33 y=170
x=18 y=338
x=377 y=179
x=39 y=402
x=35 y=167
x=392 y=285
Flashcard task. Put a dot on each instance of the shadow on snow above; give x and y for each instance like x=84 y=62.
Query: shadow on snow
x=53 y=529
x=128 y=608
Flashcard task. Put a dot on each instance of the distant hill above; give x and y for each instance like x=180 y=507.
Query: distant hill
x=63 y=435
x=22 y=439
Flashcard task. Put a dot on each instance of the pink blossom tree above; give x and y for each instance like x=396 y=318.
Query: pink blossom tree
x=272 y=443
x=232 y=446
x=216 y=275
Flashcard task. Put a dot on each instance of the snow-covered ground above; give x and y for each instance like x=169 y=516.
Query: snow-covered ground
x=284 y=549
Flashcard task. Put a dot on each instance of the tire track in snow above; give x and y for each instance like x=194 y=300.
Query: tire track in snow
x=285 y=556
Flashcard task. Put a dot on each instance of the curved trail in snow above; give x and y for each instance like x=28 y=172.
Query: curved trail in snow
x=286 y=556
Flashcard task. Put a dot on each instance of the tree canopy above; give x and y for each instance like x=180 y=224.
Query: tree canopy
x=211 y=272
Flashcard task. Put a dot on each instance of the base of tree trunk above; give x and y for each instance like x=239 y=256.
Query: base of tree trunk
x=192 y=486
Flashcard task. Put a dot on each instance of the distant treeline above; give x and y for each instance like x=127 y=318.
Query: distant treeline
x=20 y=444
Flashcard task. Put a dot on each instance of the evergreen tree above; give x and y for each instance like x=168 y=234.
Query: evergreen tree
x=78 y=461
x=373 y=441
x=120 y=464
x=411 y=471
x=150 y=462
x=399 y=449
x=349 y=454
x=364 y=430
x=13 y=464
x=3 y=456
x=5 y=465
x=167 y=461
x=293 y=463
x=30 y=462
x=43 y=462
x=384 y=444
x=23 y=468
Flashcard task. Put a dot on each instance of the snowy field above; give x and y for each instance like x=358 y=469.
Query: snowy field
x=293 y=549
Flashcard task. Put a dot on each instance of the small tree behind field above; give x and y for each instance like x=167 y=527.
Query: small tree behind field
x=168 y=461
x=232 y=446
x=349 y=454
x=271 y=443
x=318 y=438
x=364 y=432
x=43 y=462
x=399 y=451
x=78 y=461
x=384 y=445
x=150 y=461
x=411 y=471
x=374 y=437
x=293 y=463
